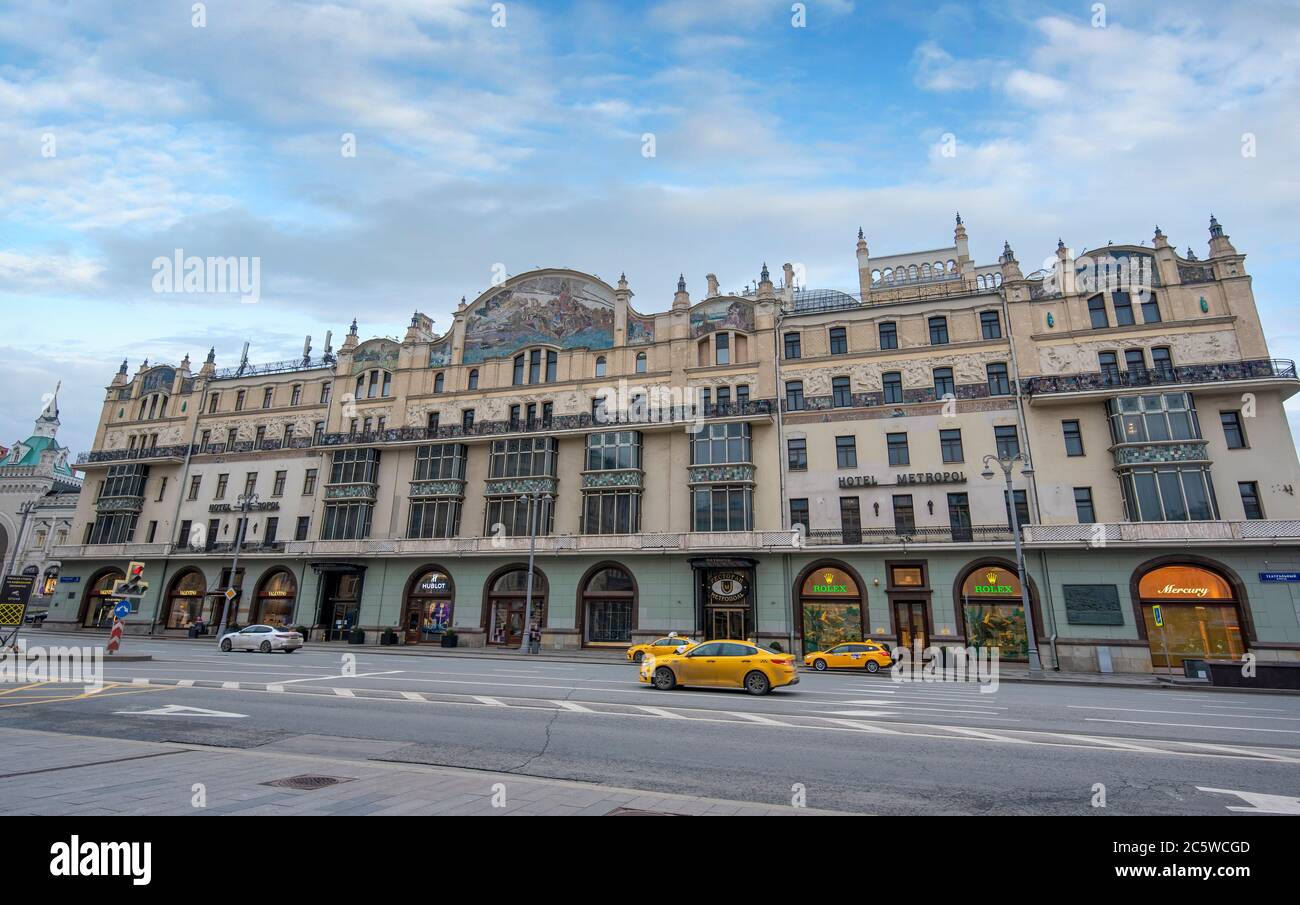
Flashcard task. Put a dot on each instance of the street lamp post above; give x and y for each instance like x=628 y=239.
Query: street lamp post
x=246 y=503
x=534 y=499
x=1006 y=463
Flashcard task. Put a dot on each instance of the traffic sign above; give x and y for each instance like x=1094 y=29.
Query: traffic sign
x=14 y=594
x=122 y=610
x=231 y=593
x=1158 y=615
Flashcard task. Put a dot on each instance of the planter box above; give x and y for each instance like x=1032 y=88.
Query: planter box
x=449 y=640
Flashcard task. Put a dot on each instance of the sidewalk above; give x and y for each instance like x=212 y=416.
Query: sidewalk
x=50 y=773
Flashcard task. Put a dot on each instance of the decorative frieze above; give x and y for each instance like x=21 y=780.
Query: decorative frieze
x=520 y=486
x=722 y=474
x=1157 y=453
x=599 y=480
x=351 y=492
x=448 y=488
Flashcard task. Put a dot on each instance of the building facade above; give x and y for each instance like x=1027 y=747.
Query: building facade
x=795 y=465
x=38 y=503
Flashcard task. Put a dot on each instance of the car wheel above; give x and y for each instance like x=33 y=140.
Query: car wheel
x=225 y=645
x=664 y=679
x=638 y=656
x=266 y=647
x=757 y=683
x=873 y=666
x=819 y=665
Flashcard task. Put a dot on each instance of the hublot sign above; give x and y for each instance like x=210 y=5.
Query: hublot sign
x=916 y=477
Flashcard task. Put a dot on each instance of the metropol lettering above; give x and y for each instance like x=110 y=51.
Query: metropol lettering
x=919 y=477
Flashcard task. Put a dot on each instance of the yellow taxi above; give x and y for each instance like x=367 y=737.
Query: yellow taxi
x=868 y=655
x=721 y=664
x=665 y=645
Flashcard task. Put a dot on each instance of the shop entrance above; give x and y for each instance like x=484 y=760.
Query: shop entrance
x=724 y=598
x=340 y=604
x=1191 y=613
x=726 y=622
x=909 y=617
x=429 y=600
x=993 y=611
x=506 y=601
x=830 y=606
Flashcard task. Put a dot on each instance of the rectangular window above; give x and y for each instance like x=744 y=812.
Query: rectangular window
x=613 y=450
x=1162 y=363
x=239 y=400
x=1097 y=312
x=1108 y=362
x=1073 y=438
x=1135 y=360
x=434 y=518
x=214 y=400
x=309 y=482
x=346 y=521
x=277 y=488
x=184 y=539
x=1022 y=508
x=794 y=395
x=797 y=453
x=723 y=507
x=904 y=514
x=1123 y=305
x=742 y=395
x=1233 y=432
x=1007 y=441
x=950 y=445
x=295 y=395
x=272 y=529
x=841 y=392
x=195 y=482
x=552 y=363
x=467 y=420
x=303 y=529
x=792 y=345
x=153 y=532
x=799 y=513
x=250 y=483
x=524 y=457
x=535 y=366
x=1150 y=309
x=722 y=348
x=222 y=481
x=722 y=444
x=1250 y=499
x=611 y=512
x=850 y=520
x=990 y=325
x=896 y=444
x=846 y=452
x=892 y=385
x=268 y=397
x=839 y=341
x=889 y=335
x=325 y=390
x=944 y=385
x=959 y=517
x=999 y=383
x=1083 y=505
x=938 y=331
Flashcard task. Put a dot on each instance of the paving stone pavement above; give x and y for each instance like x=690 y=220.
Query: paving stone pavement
x=50 y=773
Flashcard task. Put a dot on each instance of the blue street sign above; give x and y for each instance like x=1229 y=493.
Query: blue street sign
x=1279 y=576
x=122 y=610
x=1159 y=616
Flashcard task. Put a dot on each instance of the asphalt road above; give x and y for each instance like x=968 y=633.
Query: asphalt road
x=848 y=742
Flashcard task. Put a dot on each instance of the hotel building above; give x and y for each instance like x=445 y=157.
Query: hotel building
x=796 y=465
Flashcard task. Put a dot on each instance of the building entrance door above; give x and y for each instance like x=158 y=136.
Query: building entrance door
x=727 y=622
x=909 y=618
x=342 y=606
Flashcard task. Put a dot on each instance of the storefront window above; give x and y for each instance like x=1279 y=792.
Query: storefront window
x=994 y=613
x=276 y=599
x=1190 y=613
x=99 y=603
x=429 y=606
x=609 y=606
x=185 y=602
x=507 y=601
x=831 y=604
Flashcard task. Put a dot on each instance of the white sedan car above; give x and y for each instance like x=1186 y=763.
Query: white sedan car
x=265 y=638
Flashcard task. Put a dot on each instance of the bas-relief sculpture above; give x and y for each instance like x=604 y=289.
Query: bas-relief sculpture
x=1187 y=348
x=564 y=311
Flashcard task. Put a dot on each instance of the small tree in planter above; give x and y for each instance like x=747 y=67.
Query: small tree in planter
x=389 y=637
x=450 y=638
x=358 y=636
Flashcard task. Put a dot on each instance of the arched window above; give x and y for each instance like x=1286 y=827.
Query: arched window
x=889 y=274
x=912 y=272
x=430 y=597
x=640 y=362
x=473 y=378
x=875 y=276
x=979 y=281
x=505 y=603
x=97 y=605
x=185 y=599
x=439 y=381
x=276 y=595
x=1200 y=614
x=608 y=606
x=600 y=366
x=831 y=607
x=925 y=271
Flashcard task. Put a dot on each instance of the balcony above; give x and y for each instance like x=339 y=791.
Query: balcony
x=1256 y=531
x=1068 y=387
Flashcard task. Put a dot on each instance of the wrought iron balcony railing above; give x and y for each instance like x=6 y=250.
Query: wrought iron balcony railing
x=1115 y=378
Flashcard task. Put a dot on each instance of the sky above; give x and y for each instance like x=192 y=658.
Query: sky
x=379 y=157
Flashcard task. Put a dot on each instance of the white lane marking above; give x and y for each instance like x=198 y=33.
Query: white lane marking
x=1244 y=707
x=359 y=675
x=866 y=727
x=344 y=692
x=182 y=710
x=576 y=708
x=1263 y=804
x=1263 y=755
x=185 y=683
x=753 y=717
x=991 y=736
x=659 y=711
x=230 y=685
x=1110 y=743
x=413 y=696
x=1093 y=719
x=858 y=712
x=483 y=699
x=1227 y=716
x=275 y=688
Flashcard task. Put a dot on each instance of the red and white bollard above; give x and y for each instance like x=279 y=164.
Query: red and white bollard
x=115 y=637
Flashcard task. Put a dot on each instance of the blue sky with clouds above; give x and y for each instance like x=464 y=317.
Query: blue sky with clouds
x=521 y=146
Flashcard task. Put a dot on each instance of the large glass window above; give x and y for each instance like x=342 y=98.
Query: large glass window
x=723 y=507
x=438 y=517
x=1153 y=417
x=510 y=516
x=611 y=512
x=440 y=461
x=613 y=450
x=346 y=521
x=721 y=444
x=609 y=607
x=959 y=516
x=355 y=466
x=523 y=457
x=1007 y=441
x=1168 y=493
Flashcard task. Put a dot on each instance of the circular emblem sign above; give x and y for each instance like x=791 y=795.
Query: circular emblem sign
x=727 y=586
